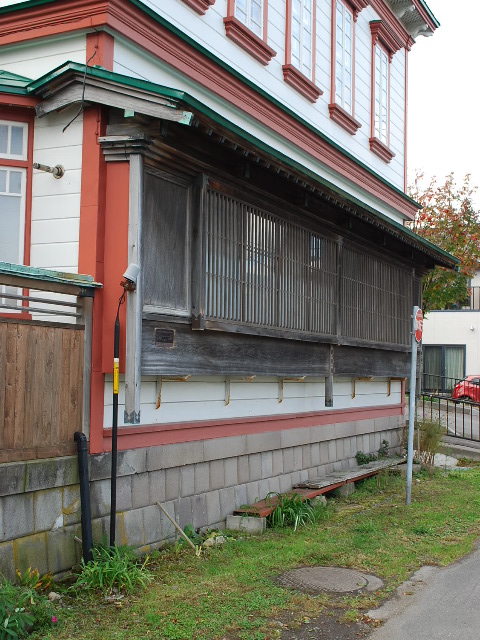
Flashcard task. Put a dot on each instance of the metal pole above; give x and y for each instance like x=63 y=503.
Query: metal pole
x=87 y=540
x=411 y=413
x=113 y=483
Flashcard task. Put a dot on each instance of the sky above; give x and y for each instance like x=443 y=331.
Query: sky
x=444 y=95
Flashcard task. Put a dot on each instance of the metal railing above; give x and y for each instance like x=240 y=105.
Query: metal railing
x=459 y=417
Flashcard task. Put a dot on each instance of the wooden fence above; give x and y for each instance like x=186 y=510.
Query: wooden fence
x=41 y=389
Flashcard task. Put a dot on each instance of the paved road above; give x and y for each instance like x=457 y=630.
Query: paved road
x=437 y=603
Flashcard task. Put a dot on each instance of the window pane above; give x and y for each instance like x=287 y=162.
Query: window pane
x=454 y=366
x=15 y=182
x=10 y=225
x=3 y=138
x=16 y=141
x=3 y=181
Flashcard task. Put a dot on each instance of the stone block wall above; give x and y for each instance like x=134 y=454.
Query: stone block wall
x=198 y=482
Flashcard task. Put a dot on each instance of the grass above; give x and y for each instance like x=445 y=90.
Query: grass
x=230 y=590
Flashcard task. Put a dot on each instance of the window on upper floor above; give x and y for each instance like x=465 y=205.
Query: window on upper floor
x=13 y=187
x=302 y=36
x=250 y=13
x=381 y=95
x=299 y=67
x=384 y=46
x=342 y=105
x=246 y=24
x=344 y=57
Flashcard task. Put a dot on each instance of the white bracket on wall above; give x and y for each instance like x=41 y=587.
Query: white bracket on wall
x=168 y=379
x=227 y=386
x=364 y=379
x=280 y=385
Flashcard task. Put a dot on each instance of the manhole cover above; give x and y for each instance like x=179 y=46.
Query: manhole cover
x=319 y=579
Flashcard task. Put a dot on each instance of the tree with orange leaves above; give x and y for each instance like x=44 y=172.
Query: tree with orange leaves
x=449 y=220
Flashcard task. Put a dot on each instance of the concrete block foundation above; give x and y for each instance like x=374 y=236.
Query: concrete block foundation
x=198 y=483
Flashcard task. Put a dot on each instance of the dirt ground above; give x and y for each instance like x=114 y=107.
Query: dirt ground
x=326 y=626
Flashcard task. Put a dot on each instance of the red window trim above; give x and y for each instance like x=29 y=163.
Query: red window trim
x=337 y=113
x=343 y=118
x=293 y=76
x=200 y=6
x=380 y=149
x=245 y=38
x=23 y=116
x=384 y=38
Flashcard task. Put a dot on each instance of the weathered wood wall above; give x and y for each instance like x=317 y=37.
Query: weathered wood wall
x=41 y=389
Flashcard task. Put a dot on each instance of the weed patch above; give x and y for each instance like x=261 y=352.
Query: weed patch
x=230 y=590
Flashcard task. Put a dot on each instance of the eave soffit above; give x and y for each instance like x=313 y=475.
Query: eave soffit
x=415 y=16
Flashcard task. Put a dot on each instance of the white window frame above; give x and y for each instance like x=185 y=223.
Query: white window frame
x=22 y=125
x=305 y=34
x=247 y=17
x=381 y=124
x=21 y=232
x=341 y=53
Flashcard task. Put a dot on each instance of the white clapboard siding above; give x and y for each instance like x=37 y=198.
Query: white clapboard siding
x=129 y=60
x=204 y=398
x=208 y=30
x=38 y=57
x=56 y=203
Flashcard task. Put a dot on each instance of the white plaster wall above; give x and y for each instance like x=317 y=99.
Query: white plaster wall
x=209 y=31
x=203 y=398
x=455 y=328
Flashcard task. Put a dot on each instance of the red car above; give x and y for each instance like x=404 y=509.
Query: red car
x=468 y=389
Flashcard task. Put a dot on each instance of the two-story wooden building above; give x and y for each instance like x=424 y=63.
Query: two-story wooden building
x=250 y=157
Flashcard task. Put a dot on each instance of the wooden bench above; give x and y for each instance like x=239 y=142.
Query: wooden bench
x=318 y=486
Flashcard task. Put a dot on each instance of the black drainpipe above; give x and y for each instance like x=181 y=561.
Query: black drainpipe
x=87 y=541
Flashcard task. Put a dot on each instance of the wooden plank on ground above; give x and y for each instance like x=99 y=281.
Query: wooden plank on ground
x=351 y=475
x=312 y=488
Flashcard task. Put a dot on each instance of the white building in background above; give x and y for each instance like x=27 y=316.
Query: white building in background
x=451 y=342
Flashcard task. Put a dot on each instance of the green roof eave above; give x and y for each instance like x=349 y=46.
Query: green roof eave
x=100 y=72
x=13 y=83
x=429 y=12
x=48 y=275
x=210 y=113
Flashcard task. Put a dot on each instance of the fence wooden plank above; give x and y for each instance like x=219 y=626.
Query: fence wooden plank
x=30 y=389
x=19 y=422
x=56 y=378
x=10 y=368
x=3 y=379
x=40 y=389
x=67 y=338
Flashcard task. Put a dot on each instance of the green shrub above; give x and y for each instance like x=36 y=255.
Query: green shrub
x=365 y=458
x=431 y=432
x=292 y=511
x=23 y=607
x=384 y=449
x=113 y=568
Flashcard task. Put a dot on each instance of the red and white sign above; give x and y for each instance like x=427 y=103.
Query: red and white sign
x=418 y=325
